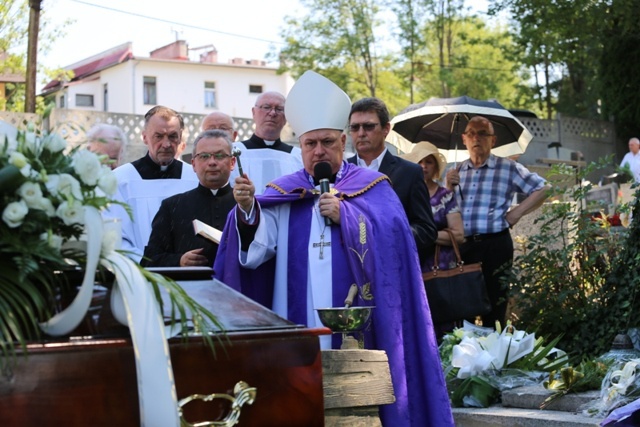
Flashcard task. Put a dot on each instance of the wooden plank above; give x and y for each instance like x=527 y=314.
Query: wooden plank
x=356 y=378
x=354 y=417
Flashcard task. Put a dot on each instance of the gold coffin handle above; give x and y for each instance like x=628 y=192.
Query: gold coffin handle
x=243 y=394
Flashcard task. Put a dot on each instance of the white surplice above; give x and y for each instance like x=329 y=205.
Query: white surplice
x=263 y=165
x=144 y=196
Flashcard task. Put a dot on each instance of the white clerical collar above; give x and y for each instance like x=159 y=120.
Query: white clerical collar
x=375 y=163
x=269 y=143
x=215 y=192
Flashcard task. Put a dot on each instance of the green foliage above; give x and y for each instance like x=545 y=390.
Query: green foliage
x=616 y=74
x=561 y=42
x=336 y=38
x=14 y=23
x=476 y=66
x=588 y=375
x=441 y=51
x=576 y=276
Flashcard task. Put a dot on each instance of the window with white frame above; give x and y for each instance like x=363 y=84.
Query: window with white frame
x=255 y=88
x=210 y=95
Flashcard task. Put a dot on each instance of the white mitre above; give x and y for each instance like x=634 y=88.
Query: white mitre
x=315 y=102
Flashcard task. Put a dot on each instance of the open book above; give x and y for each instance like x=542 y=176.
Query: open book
x=207 y=231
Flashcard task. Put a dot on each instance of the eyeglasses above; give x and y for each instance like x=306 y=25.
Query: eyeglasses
x=479 y=134
x=223 y=128
x=206 y=156
x=268 y=108
x=368 y=127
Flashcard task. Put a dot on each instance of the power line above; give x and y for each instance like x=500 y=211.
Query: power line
x=166 y=21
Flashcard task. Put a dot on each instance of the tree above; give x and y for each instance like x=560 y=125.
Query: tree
x=336 y=37
x=473 y=63
x=410 y=14
x=14 y=22
x=619 y=80
x=561 y=44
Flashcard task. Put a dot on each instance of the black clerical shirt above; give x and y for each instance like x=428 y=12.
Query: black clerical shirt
x=257 y=142
x=148 y=169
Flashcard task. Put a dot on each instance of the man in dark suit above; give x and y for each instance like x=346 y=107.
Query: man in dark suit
x=173 y=242
x=369 y=126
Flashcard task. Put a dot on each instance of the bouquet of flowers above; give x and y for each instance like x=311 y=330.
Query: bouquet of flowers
x=481 y=362
x=620 y=387
x=46 y=190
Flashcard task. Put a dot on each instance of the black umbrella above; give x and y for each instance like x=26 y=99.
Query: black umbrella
x=441 y=121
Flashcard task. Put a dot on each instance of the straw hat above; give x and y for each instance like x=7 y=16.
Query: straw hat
x=315 y=102
x=424 y=149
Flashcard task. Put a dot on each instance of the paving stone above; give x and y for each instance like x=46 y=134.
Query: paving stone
x=531 y=397
x=498 y=416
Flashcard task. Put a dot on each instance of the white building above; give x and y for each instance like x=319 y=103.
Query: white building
x=116 y=81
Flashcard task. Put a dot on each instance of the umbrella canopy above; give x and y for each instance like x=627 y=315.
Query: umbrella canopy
x=441 y=121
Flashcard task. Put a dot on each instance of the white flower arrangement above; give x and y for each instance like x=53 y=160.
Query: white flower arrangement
x=480 y=362
x=46 y=189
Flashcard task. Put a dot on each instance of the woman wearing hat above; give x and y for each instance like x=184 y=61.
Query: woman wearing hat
x=446 y=213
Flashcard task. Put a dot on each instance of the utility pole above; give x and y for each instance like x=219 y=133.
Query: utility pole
x=32 y=55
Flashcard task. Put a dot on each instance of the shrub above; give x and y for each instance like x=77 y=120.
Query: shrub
x=577 y=277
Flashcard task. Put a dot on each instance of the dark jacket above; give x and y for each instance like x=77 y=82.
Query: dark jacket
x=408 y=183
x=172 y=232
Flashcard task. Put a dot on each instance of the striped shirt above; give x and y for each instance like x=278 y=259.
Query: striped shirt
x=485 y=193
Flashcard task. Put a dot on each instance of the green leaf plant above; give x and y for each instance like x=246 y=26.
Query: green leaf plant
x=576 y=277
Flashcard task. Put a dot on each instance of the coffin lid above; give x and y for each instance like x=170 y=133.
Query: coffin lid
x=235 y=311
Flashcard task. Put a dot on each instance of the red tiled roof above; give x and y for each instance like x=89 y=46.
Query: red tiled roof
x=84 y=70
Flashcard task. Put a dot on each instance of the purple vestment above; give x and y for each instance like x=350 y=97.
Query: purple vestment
x=401 y=321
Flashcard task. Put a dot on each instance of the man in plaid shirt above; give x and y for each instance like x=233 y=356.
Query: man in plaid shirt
x=484 y=186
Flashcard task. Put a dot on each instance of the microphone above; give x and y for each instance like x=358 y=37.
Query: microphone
x=322 y=173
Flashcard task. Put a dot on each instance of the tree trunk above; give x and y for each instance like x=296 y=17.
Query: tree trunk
x=32 y=53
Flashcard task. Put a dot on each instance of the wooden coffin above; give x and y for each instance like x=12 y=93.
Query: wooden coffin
x=84 y=381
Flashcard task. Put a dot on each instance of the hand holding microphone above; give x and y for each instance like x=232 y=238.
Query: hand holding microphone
x=322 y=173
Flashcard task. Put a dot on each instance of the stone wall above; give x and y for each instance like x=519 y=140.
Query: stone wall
x=594 y=139
x=74 y=124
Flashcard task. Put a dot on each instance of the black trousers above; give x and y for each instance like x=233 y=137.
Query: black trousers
x=495 y=252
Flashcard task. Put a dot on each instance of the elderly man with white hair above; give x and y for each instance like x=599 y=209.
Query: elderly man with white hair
x=315 y=233
x=632 y=158
x=108 y=141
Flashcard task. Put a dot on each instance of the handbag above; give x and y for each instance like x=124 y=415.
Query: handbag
x=458 y=293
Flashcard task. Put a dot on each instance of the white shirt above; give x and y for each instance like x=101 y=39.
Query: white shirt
x=633 y=160
x=375 y=163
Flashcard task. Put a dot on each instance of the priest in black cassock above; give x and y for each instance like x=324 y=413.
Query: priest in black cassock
x=173 y=241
